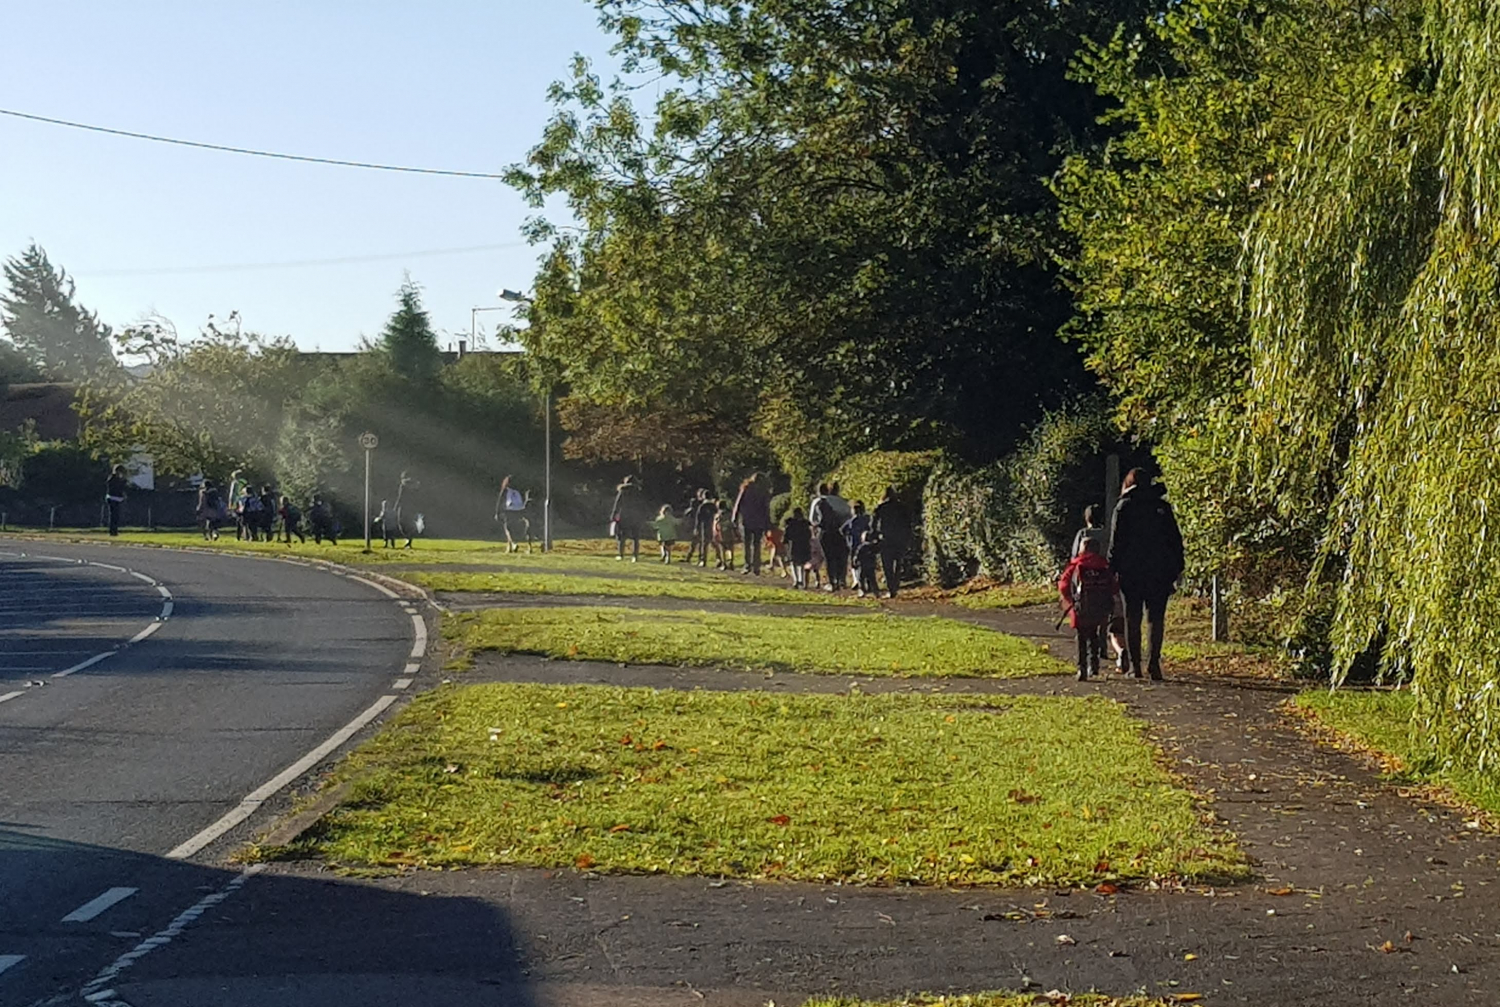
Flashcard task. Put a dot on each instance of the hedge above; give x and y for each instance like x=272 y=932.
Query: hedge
x=866 y=476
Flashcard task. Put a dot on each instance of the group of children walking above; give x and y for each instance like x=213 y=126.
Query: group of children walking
x=255 y=514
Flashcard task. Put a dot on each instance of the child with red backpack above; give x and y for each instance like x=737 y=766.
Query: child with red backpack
x=1088 y=588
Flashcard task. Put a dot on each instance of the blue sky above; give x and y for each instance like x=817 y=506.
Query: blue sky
x=442 y=83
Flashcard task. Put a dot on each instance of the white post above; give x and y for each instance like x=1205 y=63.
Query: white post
x=367 y=499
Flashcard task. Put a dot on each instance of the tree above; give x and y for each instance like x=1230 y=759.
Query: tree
x=408 y=341
x=49 y=329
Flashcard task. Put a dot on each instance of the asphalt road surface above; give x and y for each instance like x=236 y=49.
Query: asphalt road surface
x=151 y=703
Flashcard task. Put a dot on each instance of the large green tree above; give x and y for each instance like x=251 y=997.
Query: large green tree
x=408 y=341
x=839 y=212
x=46 y=325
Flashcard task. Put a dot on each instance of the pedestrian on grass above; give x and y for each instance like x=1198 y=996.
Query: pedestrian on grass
x=829 y=520
x=752 y=512
x=114 y=496
x=815 y=561
x=291 y=521
x=893 y=527
x=210 y=510
x=320 y=519
x=387 y=521
x=628 y=516
x=797 y=532
x=1088 y=589
x=703 y=524
x=1145 y=552
x=854 y=531
x=512 y=503
x=666 y=526
x=268 y=507
x=724 y=536
x=866 y=561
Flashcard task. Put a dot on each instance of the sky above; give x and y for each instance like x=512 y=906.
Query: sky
x=141 y=226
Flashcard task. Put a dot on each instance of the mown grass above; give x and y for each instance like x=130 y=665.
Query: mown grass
x=1007 y=596
x=698 y=586
x=1002 y=1000
x=1380 y=721
x=875 y=644
x=856 y=788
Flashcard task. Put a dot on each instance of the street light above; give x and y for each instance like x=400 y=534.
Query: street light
x=474 y=326
x=516 y=297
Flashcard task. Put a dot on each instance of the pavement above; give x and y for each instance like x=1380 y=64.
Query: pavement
x=214 y=675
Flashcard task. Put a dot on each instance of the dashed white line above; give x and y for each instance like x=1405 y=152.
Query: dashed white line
x=411 y=669
x=138 y=575
x=99 y=904
x=163 y=591
x=379 y=587
x=11 y=695
x=86 y=664
x=258 y=796
x=401 y=683
x=97 y=992
x=419 y=648
x=9 y=961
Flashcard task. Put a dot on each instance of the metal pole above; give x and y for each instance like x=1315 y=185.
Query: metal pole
x=367 y=499
x=547 y=477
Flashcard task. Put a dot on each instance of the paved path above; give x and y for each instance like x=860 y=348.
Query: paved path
x=118 y=776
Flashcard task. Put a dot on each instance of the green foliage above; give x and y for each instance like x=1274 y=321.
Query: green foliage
x=1015 y=519
x=941 y=790
x=62 y=473
x=408 y=341
x=866 y=476
x=49 y=331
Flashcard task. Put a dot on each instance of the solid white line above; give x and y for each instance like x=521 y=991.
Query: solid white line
x=10 y=695
x=111 y=566
x=95 y=906
x=139 y=576
x=145 y=633
x=166 y=610
x=164 y=592
x=401 y=683
x=6 y=961
x=379 y=587
x=420 y=647
x=86 y=664
x=97 y=987
x=258 y=796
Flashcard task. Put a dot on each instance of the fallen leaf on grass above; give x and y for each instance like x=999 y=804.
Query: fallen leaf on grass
x=622 y=827
x=779 y=820
x=1106 y=888
x=1022 y=797
x=584 y=862
x=1280 y=891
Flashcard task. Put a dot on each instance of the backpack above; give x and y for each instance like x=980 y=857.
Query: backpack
x=513 y=500
x=1093 y=596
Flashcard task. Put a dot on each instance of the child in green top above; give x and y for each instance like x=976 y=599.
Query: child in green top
x=667 y=528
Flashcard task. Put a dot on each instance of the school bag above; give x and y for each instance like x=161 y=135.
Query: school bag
x=513 y=500
x=1093 y=596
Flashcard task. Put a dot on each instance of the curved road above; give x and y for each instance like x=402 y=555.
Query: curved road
x=113 y=776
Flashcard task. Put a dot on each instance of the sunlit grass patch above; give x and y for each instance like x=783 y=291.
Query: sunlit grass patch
x=1379 y=721
x=1002 y=1000
x=859 y=788
x=1007 y=596
x=700 y=586
x=875 y=644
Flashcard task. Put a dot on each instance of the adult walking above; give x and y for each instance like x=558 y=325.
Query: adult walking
x=892 y=526
x=114 y=496
x=829 y=519
x=628 y=516
x=752 y=512
x=1145 y=551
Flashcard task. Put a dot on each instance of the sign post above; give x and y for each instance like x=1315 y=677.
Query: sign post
x=369 y=442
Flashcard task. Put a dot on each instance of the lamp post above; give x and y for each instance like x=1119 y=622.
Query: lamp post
x=516 y=297
x=474 y=324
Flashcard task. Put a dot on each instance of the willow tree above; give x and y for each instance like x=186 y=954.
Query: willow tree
x=1373 y=309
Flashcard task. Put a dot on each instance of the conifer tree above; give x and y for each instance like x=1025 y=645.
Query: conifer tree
x=49 y=329
x=408 y=340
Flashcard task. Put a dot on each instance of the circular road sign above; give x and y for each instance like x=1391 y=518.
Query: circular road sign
x=369 y=441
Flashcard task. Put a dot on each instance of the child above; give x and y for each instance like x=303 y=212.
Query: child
x=388 y=523
x=291 y=522
x=1088 y=588
x=665 y=524
x=866 y=561
x=798 y=536
x=776 y=542
x=703 y=524
x=1093 y=530
x=816 y=560
x=724 y=537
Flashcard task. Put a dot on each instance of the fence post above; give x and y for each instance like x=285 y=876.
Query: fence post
x=150 y=522
x=52 y=519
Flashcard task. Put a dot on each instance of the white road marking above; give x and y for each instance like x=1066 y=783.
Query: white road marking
x=111 y=566
x=96 y=906
x=164 y=592
x=379 y=587
x=86 y=664
x=411 y=669
x=420 y=647
x=137 y=575
x=259 y=795
x=11 y=695
x=7 y=961
x=401 y=683
x=97 y=990
x=144 y=633
x=166 y=611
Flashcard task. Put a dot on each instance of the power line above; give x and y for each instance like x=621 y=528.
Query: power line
x=245 y=267
x=246 y=150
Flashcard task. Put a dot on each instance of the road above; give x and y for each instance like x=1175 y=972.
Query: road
x=144 y=696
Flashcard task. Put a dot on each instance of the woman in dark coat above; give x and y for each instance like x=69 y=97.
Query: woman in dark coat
x=752 y=512
x=629 y=515
x=1145 y=551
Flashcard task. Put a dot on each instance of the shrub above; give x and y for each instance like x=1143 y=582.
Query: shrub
x=781 y=504
x=865 y=476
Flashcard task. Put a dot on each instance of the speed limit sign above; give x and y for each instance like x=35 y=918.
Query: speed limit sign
x=369 y=441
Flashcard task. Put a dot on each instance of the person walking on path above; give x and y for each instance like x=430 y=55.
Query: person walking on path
x=1093 y=531
x=798 y=536
x=829 y=520
x=1145 y=552
x=114 y=496
x=854 y=534
x=291 y=521
x=210 y=510
x=1088 y=588
x=628 y=516
x=866 y=559
x=891 y=524
x=752 y=512
x=387 y=521
x=724 y=536
x=511 y=502
x=667 y=528
x=703 y=524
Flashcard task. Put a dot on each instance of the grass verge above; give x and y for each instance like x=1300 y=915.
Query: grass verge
x=857 y=788
x=703 y=587
x=1005 y=1000
x=875 y=644
x=1378 y=722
